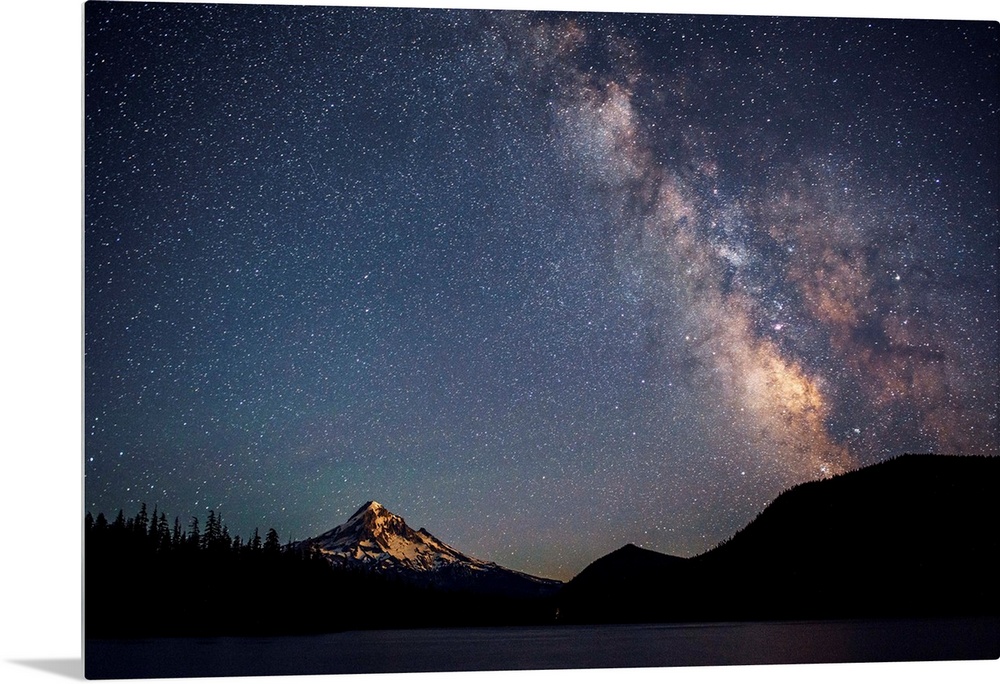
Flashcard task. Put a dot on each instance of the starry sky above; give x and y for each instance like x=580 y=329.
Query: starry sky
x=542 y=283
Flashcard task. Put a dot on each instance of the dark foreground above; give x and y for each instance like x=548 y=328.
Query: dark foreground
x=536 y=648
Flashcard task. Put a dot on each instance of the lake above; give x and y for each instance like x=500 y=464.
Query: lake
x=539 y=648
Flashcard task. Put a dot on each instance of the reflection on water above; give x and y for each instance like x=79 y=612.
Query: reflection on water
x=534 y=648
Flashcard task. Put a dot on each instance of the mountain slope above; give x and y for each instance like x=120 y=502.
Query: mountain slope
x=604 y=591
x=376 y=540
x=913 y=536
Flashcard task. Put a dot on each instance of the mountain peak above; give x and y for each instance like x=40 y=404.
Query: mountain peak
x=372 y=506
x=375 y=538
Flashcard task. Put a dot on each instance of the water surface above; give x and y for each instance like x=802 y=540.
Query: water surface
x=534 y=648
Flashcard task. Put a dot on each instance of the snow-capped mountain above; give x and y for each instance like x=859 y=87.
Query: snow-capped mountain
x=378 y=540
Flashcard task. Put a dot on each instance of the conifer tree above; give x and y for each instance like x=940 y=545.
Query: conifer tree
x=163 y=533
x=208 y=533
x=153 y=527
x=272 y=544
x=194 y=535
x=141 y=520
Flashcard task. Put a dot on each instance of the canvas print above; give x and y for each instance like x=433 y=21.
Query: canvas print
x=444 y=339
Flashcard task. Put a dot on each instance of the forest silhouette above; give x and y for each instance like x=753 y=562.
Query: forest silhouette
x=145 y=577
x=912 y=537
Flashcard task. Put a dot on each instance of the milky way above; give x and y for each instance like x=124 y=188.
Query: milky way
x=542 y=283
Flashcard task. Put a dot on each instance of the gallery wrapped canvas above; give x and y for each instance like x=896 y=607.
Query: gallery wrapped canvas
x=424 y=340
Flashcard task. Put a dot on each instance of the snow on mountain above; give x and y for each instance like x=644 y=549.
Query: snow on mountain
x=376 y=539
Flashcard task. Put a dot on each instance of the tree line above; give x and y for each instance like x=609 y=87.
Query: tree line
x=146 y=577
x=154 y=534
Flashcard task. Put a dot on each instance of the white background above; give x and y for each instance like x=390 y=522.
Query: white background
x=41 y=351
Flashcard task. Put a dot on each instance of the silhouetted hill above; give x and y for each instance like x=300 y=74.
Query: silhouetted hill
x=913 y=536
x=607 y=586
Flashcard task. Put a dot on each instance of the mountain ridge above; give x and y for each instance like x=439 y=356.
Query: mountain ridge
x=913 y=535
x=374 y=539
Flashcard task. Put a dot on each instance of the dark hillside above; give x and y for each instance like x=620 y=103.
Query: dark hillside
x=916 y=535
x=911 y=537
x=605 y=591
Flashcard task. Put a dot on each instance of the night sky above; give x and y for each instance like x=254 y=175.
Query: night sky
x=542 y=283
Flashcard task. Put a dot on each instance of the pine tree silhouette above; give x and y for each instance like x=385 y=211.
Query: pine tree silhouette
x=272 y=543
